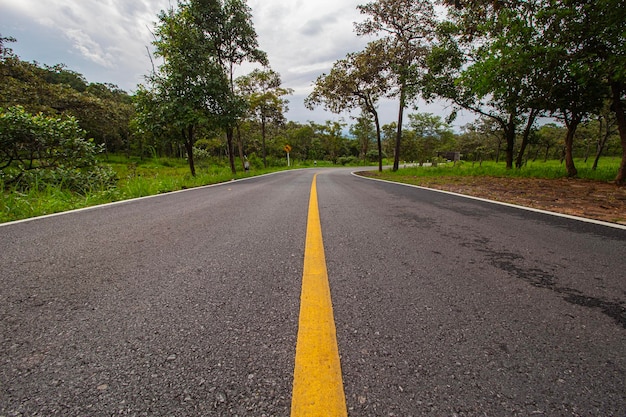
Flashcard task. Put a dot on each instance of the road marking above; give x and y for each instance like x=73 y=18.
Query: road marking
x=317 y=381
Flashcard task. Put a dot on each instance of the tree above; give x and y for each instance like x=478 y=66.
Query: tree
x=358 y=81
x=607 y=127
x=594 y=32
x=102 y=110
x=365 y=133
x=407 y=27
x=227 y=25
x=37 y=149
x=432 y=132
x=263 y=92
x=572 y=57
x=190 y=88
x=302 y=139
x=5 y=51
x=332 y=141
x=483 y=139
x=572 y=87
x=549 y=136
x=483 y=62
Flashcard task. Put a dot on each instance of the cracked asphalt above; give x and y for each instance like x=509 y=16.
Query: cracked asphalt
x=186 y=304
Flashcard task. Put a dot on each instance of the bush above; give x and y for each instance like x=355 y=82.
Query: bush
x=372 y=155
x=348 y=160
x=79 y=180
x=201 y=154
x=38 y=150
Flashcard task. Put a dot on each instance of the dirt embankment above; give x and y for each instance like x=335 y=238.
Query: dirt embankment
x=584 y=198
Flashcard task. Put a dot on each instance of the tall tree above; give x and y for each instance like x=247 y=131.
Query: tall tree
x=264 y=95
x=483 y=62
x=227 y=24
x=358 y=81
x=407 y=28
x=568 y=74
x=191 y=88
x=593 y=32
x=432 y=133
x=365 y=133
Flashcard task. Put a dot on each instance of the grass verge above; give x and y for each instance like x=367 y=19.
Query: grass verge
x=136 y=178
x=417 y=175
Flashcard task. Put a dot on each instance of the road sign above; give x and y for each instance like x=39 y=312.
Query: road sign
x=287 y=148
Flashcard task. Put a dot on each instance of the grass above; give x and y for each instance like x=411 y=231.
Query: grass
x=606 y=171
x=137 y=178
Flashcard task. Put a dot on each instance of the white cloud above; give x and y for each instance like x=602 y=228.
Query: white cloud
x=88 y=48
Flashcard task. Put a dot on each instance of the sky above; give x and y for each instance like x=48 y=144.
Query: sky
x=108 y=41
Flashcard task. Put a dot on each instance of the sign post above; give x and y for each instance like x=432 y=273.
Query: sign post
x=288 y=149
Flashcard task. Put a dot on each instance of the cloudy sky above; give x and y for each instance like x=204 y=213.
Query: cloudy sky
x=106 y=40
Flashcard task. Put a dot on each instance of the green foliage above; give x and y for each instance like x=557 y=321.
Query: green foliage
x=515 y=61
x=372 y=155
x=200 y=43
x=135 y=178
x=264 y=95
x=348 y=160
x=37 y=151
x=407 y=28
x=102 y=110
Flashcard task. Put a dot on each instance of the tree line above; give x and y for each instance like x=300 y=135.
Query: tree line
x=514 y=63
x=510 y=61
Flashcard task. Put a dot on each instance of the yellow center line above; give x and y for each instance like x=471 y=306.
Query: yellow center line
x=317 y=382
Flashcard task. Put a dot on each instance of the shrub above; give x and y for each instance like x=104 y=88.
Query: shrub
x=348 y=160
x=38 y=150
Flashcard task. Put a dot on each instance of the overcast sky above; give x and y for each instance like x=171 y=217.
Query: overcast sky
x=105 y=40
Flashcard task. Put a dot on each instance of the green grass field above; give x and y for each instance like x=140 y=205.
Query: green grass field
x=606 y=171
x=139 y=178
x=136 y=178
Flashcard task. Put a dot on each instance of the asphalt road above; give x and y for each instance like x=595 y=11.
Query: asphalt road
x=187 y=304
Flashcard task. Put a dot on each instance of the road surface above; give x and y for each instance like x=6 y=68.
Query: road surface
x=187 y=304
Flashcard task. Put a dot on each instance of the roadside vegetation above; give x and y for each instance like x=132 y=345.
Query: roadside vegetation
x=444 y=172
x=135 y=178
x=545 y=79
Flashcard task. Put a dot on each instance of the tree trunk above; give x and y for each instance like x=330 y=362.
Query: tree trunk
x=572 y=125
x=231 y=149
x=369 y=105
x=189 y=139
x=396 y=157
x=240 y=147
x=263 y=141
x=618 y=108
x=509 y=133
x=378 y=141
x=525 y=137
x=499 y=148
x=587 y=151
x=601 y=143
